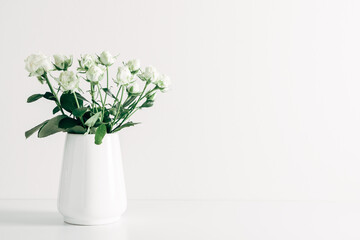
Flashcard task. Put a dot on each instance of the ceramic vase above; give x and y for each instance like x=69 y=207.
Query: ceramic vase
x=92 y=188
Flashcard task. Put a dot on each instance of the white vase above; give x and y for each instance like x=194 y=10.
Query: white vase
x=92 y=187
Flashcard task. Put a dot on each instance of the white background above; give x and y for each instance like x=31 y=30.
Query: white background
x=264 y=103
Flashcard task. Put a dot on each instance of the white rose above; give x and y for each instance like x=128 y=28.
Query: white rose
x=106 y=58
x=62 y=62
x=163 y=82
x=124 y=76
x=134 y=88
x=95 y=73
x=133 y=65
x=87 y=61
x=68 y=81
x=37 y=64
x=150 y=74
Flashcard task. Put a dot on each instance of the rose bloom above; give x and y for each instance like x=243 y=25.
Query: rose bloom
x=163 y=82
x=68 y=81
x=133 y=65
x=87 y=61
x=61 y=61
x=95 y=73
x=106 y=58
x=37 y=64
x=133 y=88
x=150 y=74
x=124 y=76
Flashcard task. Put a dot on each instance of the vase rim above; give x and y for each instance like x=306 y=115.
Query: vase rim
x=89 y=134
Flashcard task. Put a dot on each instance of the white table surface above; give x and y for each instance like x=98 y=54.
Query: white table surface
x=187 y=220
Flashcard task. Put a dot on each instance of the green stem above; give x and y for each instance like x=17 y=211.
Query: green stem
x=93 y=98
x=107 y=81
x=117 y=94
x=128 y=116
x=102 y=102
x=107 y=77
x=77 y=104
x=54 y=93
x=140 y=98
x=149 y=93
x=134 y=106
x=118 y=108
x=92 y=95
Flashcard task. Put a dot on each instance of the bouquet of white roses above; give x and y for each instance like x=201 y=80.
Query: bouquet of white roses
x=109 y=108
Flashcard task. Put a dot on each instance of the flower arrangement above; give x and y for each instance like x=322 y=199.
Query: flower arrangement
x=110 y=107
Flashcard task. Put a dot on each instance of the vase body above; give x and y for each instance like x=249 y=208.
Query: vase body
x=92 y=187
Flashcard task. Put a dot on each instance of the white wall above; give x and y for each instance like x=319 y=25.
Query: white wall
x=265 y=99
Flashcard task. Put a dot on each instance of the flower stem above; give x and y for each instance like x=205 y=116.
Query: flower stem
x=92 y=95
x=103 y=104
x=117 y=94
x=134 y=106
x=140 y=98
x=92 y=98
x=129 y=115
x=54 y=93
x=118 y=108
x=77 y=104
x=149 y=93
x=107 y=82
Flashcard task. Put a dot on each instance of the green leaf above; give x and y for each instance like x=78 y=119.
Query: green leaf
x=56 y=109
x=113 y=111
x=142 y=78
x=128 y=124
x=134 y=93
x=123 y=112
x=148 y=103
x=49 y=96
x=87 y=115
x=108 y=92
x=79 y=97
x=41 y=80
x=34 y=97
x=57 y=68
x=30 y=132
x=106 y=118
x=51 y=126
x=76 y=129
x=92 y=130
x=80 y=63
x=129 y=101
x=68 y=102
x=91 y=121
x=79 y=112
x=135 y=72
x=100 y=133
x=68 y=123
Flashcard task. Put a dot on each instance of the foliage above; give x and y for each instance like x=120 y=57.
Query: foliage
x=108 y=109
